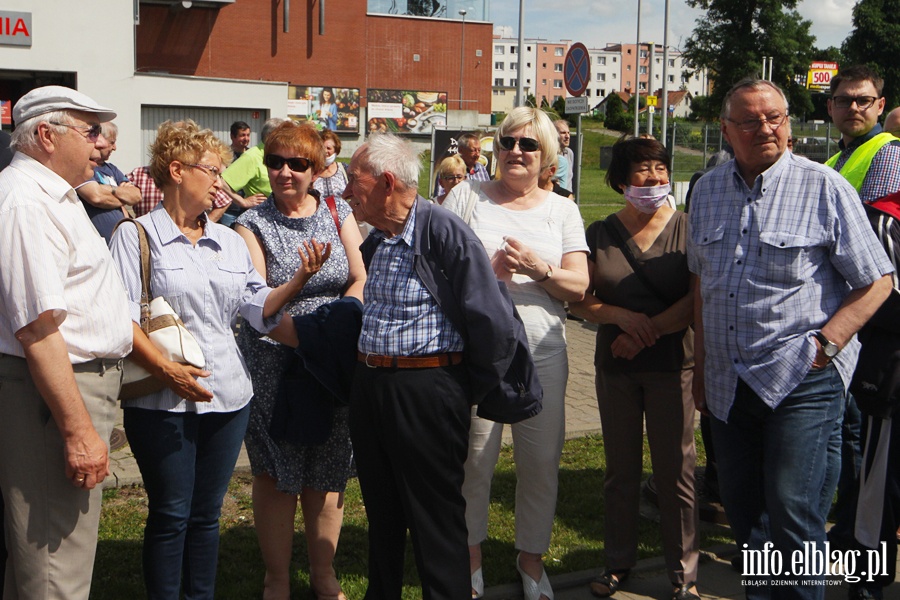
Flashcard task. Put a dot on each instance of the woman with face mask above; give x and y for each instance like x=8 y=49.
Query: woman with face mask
x=641 y=296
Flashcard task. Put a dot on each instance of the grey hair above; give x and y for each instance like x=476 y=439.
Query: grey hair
x=389 y=153
x=754 y=84
x=269 y=126
x=23 y=138
x=109 y=130
x=465 y=138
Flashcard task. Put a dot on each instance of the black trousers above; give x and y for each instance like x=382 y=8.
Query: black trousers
x=410 y=432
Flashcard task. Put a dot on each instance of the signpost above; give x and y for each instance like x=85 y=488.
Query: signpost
x=577 y=77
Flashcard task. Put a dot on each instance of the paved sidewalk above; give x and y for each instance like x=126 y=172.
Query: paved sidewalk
x=648 y=580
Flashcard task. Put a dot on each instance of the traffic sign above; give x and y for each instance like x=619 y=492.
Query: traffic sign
x=577 y=104
x=577 y=70
x=652 y=100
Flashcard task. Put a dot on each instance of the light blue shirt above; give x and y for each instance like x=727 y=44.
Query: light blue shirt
x=207 y=285
x=400 y=316
x=775 y=263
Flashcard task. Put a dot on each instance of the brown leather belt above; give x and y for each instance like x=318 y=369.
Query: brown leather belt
x=410 y=362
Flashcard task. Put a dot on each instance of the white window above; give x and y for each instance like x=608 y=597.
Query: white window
x=615 y=58
x=601 y=60
x=672 y=62
x=627 y=67
x=498 y=82
x=657 y=61
x=513 y=66
x=602 y=93
x=543 y=65
x=528 y=65
x=642 y=70
x=496 y=92
x=528 y=48
x=558 y=51
x=557 y=68
x=556 y=98
x=642 y=86
x=671 y=79
x=512 y=49
x=615 y=75
x=544 y=48
x=498 y=66
x=557 y=84
x=601 y=76
x=499 y=50
x=643 y=54
x=513 y=83
x=543 y=82
x=587 y=92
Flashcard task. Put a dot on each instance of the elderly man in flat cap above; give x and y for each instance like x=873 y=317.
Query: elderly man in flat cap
x=64 y=326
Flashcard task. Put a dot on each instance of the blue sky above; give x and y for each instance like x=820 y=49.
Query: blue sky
x=597 y=22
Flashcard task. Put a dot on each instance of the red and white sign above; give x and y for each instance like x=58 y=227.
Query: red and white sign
x=577 y=69
x=818 y=78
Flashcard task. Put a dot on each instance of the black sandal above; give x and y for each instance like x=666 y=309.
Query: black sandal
x=684 y=592
x=610 y=579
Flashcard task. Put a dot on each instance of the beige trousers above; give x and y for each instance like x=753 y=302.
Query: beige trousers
x=51 y=526
x=537 y=447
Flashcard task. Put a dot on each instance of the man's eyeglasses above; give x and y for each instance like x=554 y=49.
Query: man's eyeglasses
x=453 y=177
x=91 y=132
x=862 y=102
x=526 y=144
x=210 y=170
x=750 y=125
x=276 y=163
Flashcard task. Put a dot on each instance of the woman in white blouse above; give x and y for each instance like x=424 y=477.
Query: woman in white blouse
x=536 y=241
x=186 y=438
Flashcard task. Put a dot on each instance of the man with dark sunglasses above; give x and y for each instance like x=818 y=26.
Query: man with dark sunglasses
x=869 y=158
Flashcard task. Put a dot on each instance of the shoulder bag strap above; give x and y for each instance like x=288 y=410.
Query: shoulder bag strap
x=144 y=246
x=632 y=261
x=332 y=206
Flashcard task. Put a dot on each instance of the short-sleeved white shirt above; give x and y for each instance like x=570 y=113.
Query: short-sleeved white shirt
x=552 y=228
x=53 y=259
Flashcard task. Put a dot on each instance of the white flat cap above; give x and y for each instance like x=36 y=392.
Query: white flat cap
x=49 y=98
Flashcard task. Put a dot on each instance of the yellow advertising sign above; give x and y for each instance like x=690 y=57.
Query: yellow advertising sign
x=818 y=78
x=652 y=100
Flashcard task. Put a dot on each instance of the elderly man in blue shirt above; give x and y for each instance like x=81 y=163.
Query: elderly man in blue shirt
x=788 y=270
x=430 y=290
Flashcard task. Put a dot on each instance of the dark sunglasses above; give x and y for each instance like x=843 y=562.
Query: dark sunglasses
x=526 y=144
x=276 y=163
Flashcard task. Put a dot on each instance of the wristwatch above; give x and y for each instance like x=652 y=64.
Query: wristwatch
x=828 y=347
x=546 y=275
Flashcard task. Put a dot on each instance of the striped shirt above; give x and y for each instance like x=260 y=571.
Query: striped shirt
x=54 y=260
x=207 y=285
x=400 y=316
x=775 y=263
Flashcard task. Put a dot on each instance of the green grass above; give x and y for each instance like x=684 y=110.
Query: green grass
x=577 y=542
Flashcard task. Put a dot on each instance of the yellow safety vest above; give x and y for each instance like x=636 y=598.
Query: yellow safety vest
x=856 y=167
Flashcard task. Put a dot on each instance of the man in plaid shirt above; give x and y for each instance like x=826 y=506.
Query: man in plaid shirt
x=152 y=195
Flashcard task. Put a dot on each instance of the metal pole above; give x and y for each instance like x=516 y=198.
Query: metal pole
x=665 y=88
x=287 y=16
x=520 y=82
x=321 y=17
x=637 y=67
x=771 y=65
x=577 y=190
x=651 y=48
x=462 y=56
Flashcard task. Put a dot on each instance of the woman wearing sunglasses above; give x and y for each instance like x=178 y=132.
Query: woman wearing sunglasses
x=451 y=172
x=186 y=438
x=641 y=296
x=536 y=241
x=283 y=472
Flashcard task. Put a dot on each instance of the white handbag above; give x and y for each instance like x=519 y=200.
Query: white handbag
x=165 y=330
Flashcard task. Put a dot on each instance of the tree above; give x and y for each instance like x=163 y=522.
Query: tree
x=616 y=117
x=734 y=35
x=875 y=41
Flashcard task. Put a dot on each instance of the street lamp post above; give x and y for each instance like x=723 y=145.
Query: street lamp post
x=462 y=56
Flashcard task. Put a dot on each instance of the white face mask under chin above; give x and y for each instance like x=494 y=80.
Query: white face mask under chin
x=329 y=160
x=647 y=199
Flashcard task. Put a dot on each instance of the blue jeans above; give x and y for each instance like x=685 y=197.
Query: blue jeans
x=186 y=460
x=772 y=467
x=848 y=459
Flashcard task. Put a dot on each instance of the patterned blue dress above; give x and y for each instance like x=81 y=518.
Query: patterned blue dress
x=328 y=466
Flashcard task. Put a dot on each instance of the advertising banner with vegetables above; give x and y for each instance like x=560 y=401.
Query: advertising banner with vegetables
x=331 y=108
x=399 y=111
